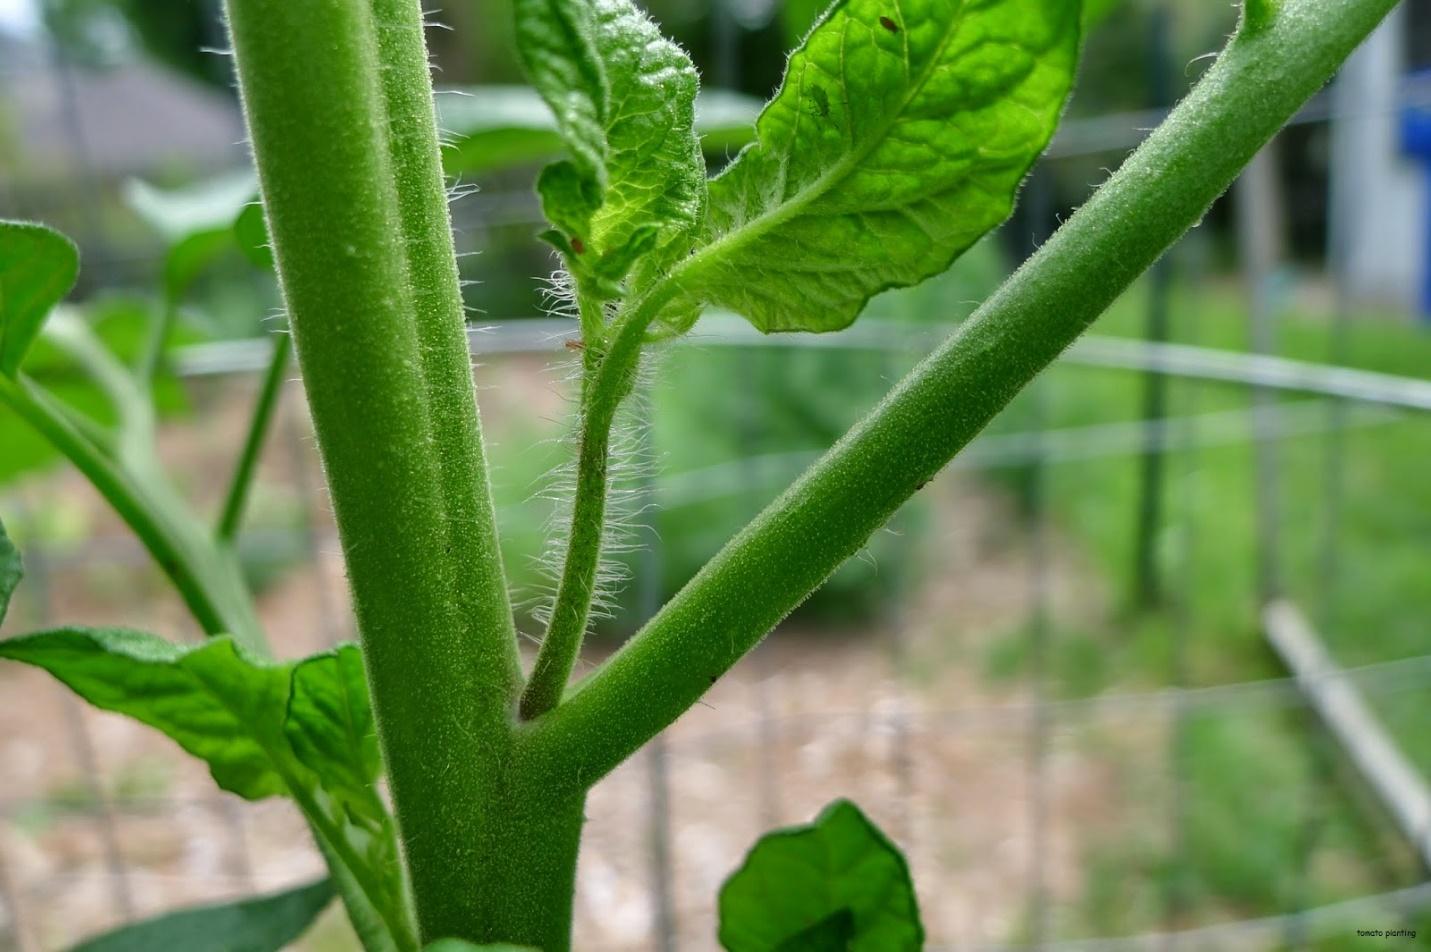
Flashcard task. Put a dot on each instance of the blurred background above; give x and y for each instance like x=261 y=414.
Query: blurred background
x=1149 y=667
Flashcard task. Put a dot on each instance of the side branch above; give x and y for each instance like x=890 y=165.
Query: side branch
x=1163 y=189
x=46 y=415
x=608 y=381
x=236 y=500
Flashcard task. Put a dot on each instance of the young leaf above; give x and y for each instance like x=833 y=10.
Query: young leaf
x=215 y=703
x=330 y=726
x=259 y=924
x=38 y=266
x=899 y=136
x=838 y=883
x=624 y=101
x=10 y=570
x=498 y=127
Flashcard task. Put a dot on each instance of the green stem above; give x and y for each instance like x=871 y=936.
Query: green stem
x=175 y=554
x=339 y=109
x=1164 y=188
x=481 y=583
x=607 y=380
x=158 y=336
x=237 y=498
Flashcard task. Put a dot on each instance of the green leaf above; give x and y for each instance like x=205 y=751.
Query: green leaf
x=557 y=49
x=238 y=714
x=499 y=127
x=251 y=230
x=806 y=881
x=330 y=730
x=122 y=326
x=38 y=266
x=215 y=703
x=899 y=136
x=1096 y=11
x=197 y=222
x=623 y=98
x=11 y=570
x=190 y=257
x=180 y=213
x=831 y=934
x=259 y=924
x=330 y=727
x=459 y=945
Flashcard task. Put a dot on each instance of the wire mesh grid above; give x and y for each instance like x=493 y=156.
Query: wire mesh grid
x=1007 y=799
x=1003 y=797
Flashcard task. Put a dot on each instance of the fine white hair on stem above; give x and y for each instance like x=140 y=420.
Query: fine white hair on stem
x=627 y=525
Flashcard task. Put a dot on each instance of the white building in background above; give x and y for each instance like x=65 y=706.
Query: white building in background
x=129 y=119
x=1379 y=201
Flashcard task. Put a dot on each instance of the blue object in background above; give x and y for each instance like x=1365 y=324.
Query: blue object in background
x=1416 y=142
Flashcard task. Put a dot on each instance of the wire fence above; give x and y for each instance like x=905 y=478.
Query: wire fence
x=1006 y=804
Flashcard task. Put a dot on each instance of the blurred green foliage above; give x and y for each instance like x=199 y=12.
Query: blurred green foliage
x=181 y=34
x=122 y=324
x=1275 y=818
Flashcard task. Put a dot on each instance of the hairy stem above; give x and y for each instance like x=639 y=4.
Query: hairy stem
x=237 y=498
x=606 y=381
x=441 y=333
x=1164 y=188
x=339 y=108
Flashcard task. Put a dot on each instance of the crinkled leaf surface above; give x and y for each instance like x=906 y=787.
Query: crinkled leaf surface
x=259 y=924
x=330 y=729
x=234 y=713
x=38 y=266
x=498 y=127
x=624 y=101
x=10 y=570
x=899 y=136
x=800 y=884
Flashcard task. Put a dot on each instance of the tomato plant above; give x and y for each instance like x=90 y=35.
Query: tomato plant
x=900 y=135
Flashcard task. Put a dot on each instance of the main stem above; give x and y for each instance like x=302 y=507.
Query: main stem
x=1283 y=54
x=340 y=113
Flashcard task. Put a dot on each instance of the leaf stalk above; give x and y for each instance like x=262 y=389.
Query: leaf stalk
x=236 y=500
